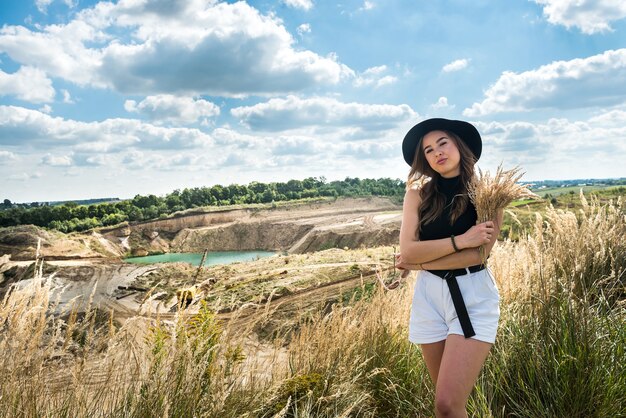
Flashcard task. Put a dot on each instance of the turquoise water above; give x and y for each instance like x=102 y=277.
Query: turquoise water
x=212 y=258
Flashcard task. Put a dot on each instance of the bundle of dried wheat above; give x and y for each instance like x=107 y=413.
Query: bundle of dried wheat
x=488 y=194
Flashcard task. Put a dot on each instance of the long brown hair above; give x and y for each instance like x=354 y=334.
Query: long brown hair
x=433 y=200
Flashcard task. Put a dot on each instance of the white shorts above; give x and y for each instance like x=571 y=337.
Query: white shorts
x=433 y=316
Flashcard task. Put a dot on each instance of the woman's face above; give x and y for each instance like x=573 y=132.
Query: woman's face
x=442 y=154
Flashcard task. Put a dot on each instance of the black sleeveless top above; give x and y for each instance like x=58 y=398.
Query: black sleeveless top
x=440 y=227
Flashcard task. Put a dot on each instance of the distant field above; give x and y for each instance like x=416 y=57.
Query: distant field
x=557 y=191
x=521 y=214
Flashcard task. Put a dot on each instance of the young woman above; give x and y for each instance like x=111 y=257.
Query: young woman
x=455 y=310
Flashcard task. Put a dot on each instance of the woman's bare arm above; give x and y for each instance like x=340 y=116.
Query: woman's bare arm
x=464 y=258
x=411 y=249
x=414 y=251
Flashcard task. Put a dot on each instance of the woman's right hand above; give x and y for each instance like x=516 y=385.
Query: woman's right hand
x=479 y=234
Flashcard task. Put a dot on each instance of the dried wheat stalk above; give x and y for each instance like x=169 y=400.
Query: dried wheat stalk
x=489 y=194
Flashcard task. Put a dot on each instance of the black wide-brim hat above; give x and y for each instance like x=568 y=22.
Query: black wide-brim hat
x=465 y=130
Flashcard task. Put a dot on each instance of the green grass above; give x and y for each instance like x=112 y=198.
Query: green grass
x=558 y=191
x=524 y=202
x=526 y=210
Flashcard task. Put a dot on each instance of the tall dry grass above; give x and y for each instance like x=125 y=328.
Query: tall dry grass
x=559 y=350
x=563 y=332
x=581 y=255
x=65 y=363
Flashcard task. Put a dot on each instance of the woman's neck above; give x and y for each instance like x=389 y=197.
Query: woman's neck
x=449 y=182
x=451 y=174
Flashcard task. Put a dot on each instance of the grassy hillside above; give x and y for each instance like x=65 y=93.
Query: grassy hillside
x=521 y=215
x=559 y=350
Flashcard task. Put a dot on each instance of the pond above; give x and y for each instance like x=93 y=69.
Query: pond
x=212 y=257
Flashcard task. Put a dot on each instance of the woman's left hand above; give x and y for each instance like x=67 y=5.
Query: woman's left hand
x=405 y=267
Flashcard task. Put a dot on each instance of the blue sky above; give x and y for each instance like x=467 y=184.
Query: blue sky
x=147 y=96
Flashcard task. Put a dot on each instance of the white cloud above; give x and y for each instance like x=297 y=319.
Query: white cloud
x=299 y=4
x=590 y=16
x=615 y=117
x=298 y=145
x=67 y=97
x=46 y=109
x=371 y=150
x=136 y=160
x=556 y=143
x=73 y=172
x=456 y=65
x=599 y=80
x=367 y=5
x=388 y=79
x=169 y=108
x=238 y=159
x=191 y=48
x=6 y=156
x=56 y=161
x=373 y=71
x=321 y=113
x=58 y=50
x=31 y=128
x=442 y=104
x=28 y=84
x=227 y=49
x=307 y=151
x=84 y=159
x=374 y=76
x=24 y=176
x=42 y=5
x=303 y=28
x=227 y=137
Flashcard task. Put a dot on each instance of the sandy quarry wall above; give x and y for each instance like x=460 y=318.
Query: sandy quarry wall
x=173 y=225
x=286 y=228
x=293 y=227
x=240 y=236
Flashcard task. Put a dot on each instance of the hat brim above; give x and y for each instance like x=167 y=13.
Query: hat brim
x=465 y=130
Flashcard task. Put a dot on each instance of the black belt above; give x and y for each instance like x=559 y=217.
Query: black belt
x=457 y=298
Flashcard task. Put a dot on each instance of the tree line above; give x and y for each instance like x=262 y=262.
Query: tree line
x=71 y=216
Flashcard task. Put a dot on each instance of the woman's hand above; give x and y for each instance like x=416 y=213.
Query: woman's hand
x=405 y=267
x=476 y=236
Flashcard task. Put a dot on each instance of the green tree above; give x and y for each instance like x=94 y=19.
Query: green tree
x=145 y=201
x=173 y=201
x=135 y=214
x=219 y=193
x=151 y=212
x=81 y=212
x=114 y=219
x=267 y=196
x=257 y=187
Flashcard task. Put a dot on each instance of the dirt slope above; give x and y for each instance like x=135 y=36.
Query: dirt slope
x=292 y=227
x=346 y=222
